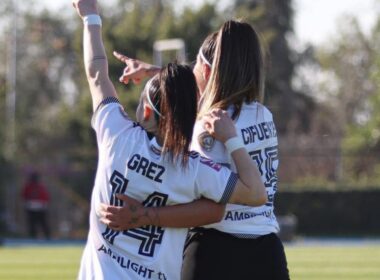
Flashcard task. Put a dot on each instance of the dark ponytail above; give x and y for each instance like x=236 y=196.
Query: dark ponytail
x=177 y=104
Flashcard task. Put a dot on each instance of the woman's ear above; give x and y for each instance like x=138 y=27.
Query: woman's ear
x=147 y=112
x=206 y=71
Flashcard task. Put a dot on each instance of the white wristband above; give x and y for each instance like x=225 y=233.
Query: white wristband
x=93 y=19
x=234 y=144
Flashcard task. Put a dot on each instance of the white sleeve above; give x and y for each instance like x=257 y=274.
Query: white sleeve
x=214 y=181
x=109 y=120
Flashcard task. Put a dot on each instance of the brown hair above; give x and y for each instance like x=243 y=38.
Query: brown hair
x=173 y=93
x=208 y=47
x=237 y=74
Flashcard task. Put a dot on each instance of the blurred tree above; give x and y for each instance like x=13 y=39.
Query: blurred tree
x=46 y=71
x=54 y=106
x=337 y=94
x=5 y=34
x=362 y=100
x=274 y=21
x=349 y=58
x=4 y=165
x=193 y=26
x=152 y=20
x=2 y=108
x=349 y=86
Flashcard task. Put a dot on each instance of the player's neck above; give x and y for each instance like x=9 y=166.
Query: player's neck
x=159 y=140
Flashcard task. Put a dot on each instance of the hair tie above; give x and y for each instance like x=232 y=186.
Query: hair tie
x=203 y=57
x=150 y=101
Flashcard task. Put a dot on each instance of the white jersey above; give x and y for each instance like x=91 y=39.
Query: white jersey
x=131 y=163
x=256 y=128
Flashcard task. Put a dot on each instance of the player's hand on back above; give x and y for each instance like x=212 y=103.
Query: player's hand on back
x=219 y=124
x=85 y=7
x=135 y=70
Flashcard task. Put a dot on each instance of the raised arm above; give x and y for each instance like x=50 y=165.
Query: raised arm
x=95 y=59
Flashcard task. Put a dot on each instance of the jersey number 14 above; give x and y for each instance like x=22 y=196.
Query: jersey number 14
x=149 y=235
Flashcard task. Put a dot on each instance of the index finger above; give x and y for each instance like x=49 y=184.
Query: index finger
x=120 y=56
x=108 y=208
x=208 y=118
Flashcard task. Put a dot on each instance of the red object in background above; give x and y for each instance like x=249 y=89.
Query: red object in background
x=35 y=194
x=36 y=198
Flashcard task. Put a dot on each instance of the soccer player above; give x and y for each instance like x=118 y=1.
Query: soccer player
x=157 y=170
x=243 y=245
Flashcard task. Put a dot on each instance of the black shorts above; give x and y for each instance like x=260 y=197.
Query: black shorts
x=213 y=255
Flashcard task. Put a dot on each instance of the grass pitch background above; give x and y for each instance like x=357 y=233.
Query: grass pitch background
x=305 y=262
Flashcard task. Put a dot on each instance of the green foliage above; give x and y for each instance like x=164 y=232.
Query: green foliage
x=134 y=28
x=365 y=134
x=54 y=109
x=193 y=26
x=274 y=21
x=2 y=109
x=54 y=106
x=353 y=59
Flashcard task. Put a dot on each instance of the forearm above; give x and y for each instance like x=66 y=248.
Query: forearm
x=95 y=59
x=96 y=65
x=197 y=213
x=249 y=189
x=133 y=214
x=152 y=70
x=249 y=174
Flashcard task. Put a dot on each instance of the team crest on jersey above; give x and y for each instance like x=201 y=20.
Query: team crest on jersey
x=206 y=141
x=211 y=163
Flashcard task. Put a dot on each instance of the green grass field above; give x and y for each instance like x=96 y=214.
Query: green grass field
x=334 y=263
x=305 y=262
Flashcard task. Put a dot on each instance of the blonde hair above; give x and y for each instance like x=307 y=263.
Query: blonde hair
x=237 y=72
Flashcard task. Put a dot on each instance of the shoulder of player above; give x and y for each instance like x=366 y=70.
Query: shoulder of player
x=108 y=109
x=262 y=113
x=194 y=158
x=208 y=164
x=108 y=104
x=264 y=109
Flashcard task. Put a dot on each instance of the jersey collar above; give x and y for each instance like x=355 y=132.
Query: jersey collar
x=154 y=147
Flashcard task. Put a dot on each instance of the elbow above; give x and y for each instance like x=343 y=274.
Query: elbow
x=260 y=200
x=251 y=194
x=96 y=78
x=220 y=213
x=96 y=72
x=93 y=75
x=217 y=213
x=259 y=197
